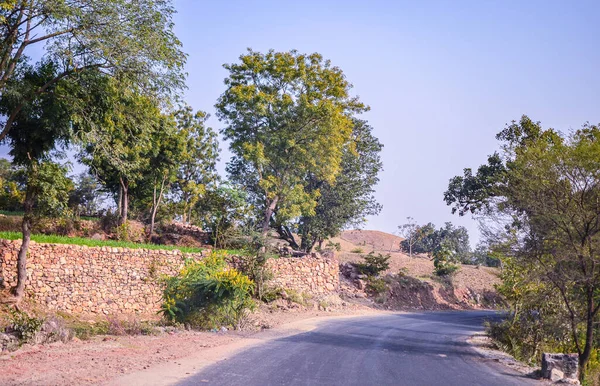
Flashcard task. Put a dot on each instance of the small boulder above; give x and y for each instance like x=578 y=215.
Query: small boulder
x=558 y=367
x=8 y=343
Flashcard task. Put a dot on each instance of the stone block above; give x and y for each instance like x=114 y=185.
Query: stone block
x=560 y=366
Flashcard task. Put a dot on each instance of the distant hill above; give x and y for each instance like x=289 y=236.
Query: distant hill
x=377 y=240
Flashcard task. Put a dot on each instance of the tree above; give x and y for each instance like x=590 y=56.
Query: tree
x=426 y=239
x=409 y=232
x=119 y=144
x=168 y=144
x=287 y=115
x=222 y=210
x=84 y=198
x=38 y=127
x=197 y=164
x=547 y=187
x=117 y=37
x=349 y=199
x=12 y=191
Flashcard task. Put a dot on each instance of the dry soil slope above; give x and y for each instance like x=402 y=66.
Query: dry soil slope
x=480 y=279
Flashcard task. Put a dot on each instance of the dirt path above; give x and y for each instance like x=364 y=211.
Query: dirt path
x=144 y=360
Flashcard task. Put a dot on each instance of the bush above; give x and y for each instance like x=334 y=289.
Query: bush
x=357 y=250
x=25 y=327
x=205 y=294
x=443 y=261
x=376 y=286
x=373 y=265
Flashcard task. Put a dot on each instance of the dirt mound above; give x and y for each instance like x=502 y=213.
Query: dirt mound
x=372 y=239
x=417 y=287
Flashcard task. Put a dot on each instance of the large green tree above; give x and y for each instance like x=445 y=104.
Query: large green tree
x=546 y=187
x=287 y=114
x=132 y=39
x=197 y=161
x=40 y=126
x=346 y=201
x=120 y=140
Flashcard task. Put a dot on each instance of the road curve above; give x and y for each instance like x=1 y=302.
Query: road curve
x=426 y=348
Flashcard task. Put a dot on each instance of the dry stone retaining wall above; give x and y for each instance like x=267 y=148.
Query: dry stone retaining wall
x=112 y=281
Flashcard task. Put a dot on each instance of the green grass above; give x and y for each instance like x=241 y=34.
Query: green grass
x=9 y=213
x=51 y=239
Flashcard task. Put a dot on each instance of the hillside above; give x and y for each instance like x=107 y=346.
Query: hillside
x=469 y=284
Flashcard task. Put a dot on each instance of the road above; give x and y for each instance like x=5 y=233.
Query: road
x=399 y=349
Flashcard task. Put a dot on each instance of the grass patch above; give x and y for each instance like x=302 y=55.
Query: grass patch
x=52 y=239
x=9 y=213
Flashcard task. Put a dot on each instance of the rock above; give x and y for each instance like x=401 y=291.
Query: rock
x=360 y=284
x=8 y=342
x=556 y=375
x=223 y=329
x=97 y=236
x=53 y=330
x=557 y=367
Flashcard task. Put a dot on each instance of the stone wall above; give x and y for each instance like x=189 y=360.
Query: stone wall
x=306 y=274
x=110 y=281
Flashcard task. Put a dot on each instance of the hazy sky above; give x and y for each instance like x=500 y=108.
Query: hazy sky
x=441 y=77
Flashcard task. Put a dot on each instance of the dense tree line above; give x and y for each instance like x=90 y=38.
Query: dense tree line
x=107 y=87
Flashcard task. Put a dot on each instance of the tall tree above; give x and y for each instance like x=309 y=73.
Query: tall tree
x=409 y=231
x=36 y=130
x=132 y=39
x=349 y=199
x=287 y=114
x=197 y=164
x=119 y=143
x=547 y=187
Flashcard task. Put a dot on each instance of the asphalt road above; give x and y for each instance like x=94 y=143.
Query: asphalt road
x=403 y=349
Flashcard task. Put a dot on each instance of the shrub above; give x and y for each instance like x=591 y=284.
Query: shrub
x=376 y=286
x=24 y=326
x=252 y=262
x=205 y=294
x=373 y=264
x=357 y=250
x=443 y=261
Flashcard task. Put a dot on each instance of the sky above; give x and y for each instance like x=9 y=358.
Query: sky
x=441 y=78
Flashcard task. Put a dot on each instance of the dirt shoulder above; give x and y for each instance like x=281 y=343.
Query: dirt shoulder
x=147 y=360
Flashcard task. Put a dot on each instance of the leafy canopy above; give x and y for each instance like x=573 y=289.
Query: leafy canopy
x=287 y=114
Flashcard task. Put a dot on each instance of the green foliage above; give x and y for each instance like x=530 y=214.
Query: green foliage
x=349 y=199
x=83 y=200
x=133 y=41
x=12 y=190
x=26 y=327
x=376 y=286
x=207 y=295
x=444 y=261
x=373 y=264
x=357 y=250
x=252 y=262
x=53 y=239
x=287 y=114
x=222 y=212
x=197 y=164
x=426 y=239
x=544 y=188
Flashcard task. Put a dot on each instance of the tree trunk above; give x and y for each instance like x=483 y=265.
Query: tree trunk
x=584 y=357
x=155 y=203
x=268 y=214
x=120 y=201
x=125 y=202
x=19 y=289
x=288 y=236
